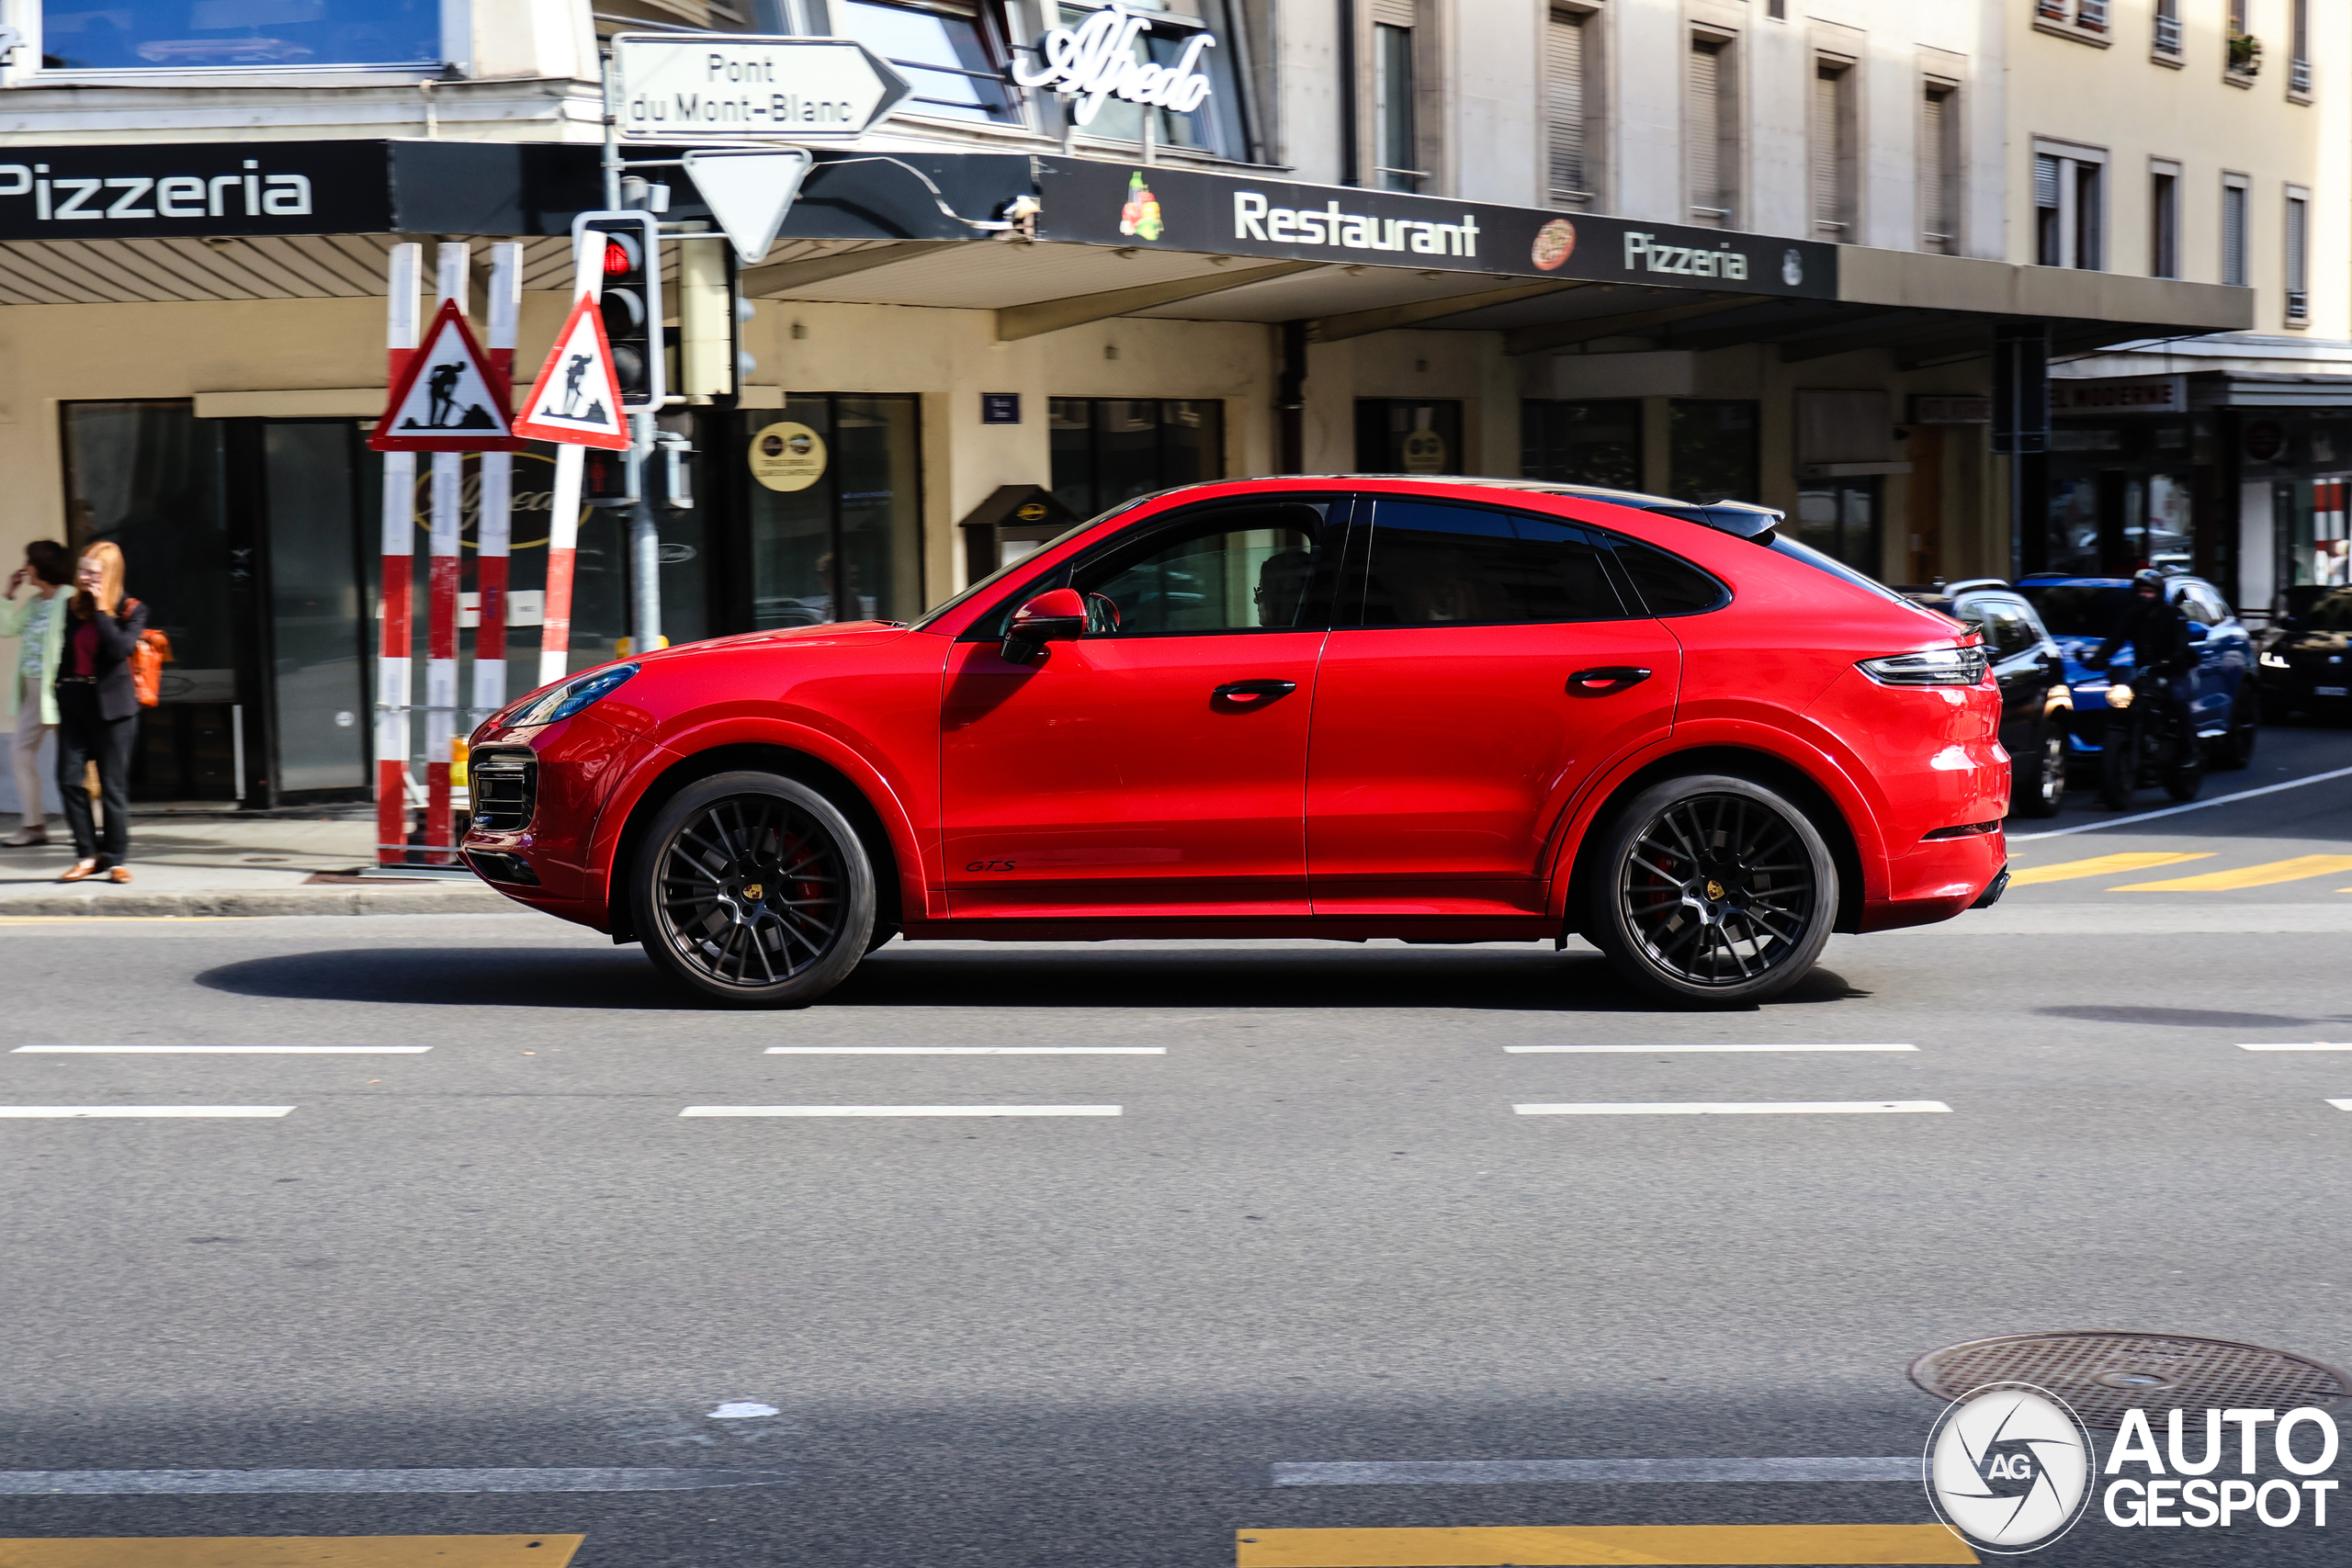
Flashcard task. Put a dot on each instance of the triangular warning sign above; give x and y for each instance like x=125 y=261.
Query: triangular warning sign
x=449 y=399
x=577 y=399
x=750 y=192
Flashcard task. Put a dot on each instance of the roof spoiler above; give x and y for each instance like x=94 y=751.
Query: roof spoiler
x=1738 y=518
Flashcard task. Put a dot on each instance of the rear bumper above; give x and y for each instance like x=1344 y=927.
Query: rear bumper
x=1939 y=879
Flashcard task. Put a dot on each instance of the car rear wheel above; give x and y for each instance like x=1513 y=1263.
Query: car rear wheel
x=754 y=890
x=2038 y=780
x=2236 y=749
x=1711 y=889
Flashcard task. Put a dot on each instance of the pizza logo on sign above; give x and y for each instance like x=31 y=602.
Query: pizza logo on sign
x=1555 y=244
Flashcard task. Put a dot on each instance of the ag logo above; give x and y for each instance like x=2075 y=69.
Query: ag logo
x=1792 y=267
x=2008 y=1468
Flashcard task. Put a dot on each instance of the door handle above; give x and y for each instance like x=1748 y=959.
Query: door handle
x=1606 y=680
x=1253 y=694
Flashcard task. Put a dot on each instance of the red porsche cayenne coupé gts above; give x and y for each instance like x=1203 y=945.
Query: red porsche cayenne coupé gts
x=1444 y=710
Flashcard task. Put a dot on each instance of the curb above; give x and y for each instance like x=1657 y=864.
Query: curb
x=455 y=900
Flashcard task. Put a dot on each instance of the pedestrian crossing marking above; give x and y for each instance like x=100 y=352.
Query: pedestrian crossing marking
x=296 y=1552
x=1543 y=1546
x=2296 y=868
x=2100 y=865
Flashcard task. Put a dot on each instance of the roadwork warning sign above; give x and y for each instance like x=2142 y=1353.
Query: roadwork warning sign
x=448 y=399
x=577 y=399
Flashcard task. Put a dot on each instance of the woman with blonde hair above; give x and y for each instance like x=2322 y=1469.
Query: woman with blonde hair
x=97 y=711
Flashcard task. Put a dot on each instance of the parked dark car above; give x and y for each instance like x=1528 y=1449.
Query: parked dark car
x=2036 y=704
x=2307 y=663
x=2224 y=699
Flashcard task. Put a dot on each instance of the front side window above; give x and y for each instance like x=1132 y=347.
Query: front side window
x=1227 y=569
x=212 y=35
x=1434 y=564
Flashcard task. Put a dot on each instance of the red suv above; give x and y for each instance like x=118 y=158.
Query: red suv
x=1446 y=710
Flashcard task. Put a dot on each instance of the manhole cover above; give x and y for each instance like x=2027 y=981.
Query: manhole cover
x=2103 y=1375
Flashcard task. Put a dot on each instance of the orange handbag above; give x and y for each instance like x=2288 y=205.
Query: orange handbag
x=147 y=661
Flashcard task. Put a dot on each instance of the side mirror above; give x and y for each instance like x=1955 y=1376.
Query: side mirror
x=1058 y=614
x=2197 y=632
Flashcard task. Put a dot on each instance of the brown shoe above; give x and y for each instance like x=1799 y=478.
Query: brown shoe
x=80 y=871
x=119 y=873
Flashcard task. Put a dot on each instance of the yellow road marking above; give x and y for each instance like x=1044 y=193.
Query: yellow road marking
x=2294 y=869
x=1534 y=1546
x=296 y=1552
x=2098 y=865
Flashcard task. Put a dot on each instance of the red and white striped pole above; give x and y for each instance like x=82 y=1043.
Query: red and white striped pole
x=406 y=263
x=563 y=508
x=441 y=649
x=494 y=527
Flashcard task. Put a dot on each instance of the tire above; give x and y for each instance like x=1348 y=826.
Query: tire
x=2118 y=764
x=2236 y=749
x=2186 y=780
x=1689 y=880
x=754 y=890
x=2038 y=783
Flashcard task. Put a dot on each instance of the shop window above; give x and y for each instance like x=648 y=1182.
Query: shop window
x=1841 y=519
x=835 y=509
x=1401 y=436
x=1107 y=450
x=215 y=34
x=1217 y=126
x=1711 y=453
x=1595 y=443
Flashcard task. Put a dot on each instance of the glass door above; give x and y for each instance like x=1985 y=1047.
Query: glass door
x=320 y=622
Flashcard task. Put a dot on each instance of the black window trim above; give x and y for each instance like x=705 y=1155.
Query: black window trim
x=985 y=626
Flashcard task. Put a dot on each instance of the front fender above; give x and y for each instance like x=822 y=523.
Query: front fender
x=919 y=869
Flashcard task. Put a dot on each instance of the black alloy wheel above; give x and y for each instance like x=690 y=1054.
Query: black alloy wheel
x=2236 y=749
x=1711 y=888
x=754 y=890
x=2037 y=779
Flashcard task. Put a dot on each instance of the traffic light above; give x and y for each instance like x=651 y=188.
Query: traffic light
x=630 y=303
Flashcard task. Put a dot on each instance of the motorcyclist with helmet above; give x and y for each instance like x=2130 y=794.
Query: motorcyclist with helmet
x=2158 y=633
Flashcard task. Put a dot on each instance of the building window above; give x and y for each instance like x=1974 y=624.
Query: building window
x=1217 y=126
x=1831 y=133
x=2167 y=39
x=215 y=34
x=1711 y=453
x=950 y=53
x=2236 y=198
x=1410 y=435
x=2299 y=53
x=1595 y=443
x=1939 y=169
x=1395 y=136
x=1570 y=98
x=2164 y=220
x=1712 y=139
x=1107 y=450
x=2070 y=207
x=1841 y=518
x=2298 y=231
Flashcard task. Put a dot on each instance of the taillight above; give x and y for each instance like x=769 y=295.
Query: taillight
x=1929 y=667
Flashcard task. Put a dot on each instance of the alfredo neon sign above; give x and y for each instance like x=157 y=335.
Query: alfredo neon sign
x=1097 y=60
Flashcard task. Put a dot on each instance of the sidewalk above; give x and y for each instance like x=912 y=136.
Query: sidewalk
x=232 y=864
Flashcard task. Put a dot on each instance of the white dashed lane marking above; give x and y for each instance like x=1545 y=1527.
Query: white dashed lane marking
x=154 y=1482
x=901 y=1110
x=1734 y=1108
x=968 y=1050
x=2312 y=1045
x=1589 y=1471
x=1661 y=1050
x=220 y=1050
x=76 y=1113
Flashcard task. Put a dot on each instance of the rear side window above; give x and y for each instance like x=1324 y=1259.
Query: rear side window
x=1432 y=564
x=1669 y=585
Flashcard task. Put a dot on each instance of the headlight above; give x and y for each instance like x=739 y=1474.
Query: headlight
x=1929 y=667
x=2118 y=696
x=563 y=701
x=2275 y=660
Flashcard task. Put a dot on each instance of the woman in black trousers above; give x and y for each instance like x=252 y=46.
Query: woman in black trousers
x=98 y=712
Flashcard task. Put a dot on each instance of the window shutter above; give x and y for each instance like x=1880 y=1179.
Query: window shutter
x=1564 y=106
x=1931 y=172
x=1394 y=13
x=2045 y=180
x=1704 y=134
x=1828 y=209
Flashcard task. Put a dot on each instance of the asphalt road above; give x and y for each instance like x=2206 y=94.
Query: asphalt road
x=1316 y=1231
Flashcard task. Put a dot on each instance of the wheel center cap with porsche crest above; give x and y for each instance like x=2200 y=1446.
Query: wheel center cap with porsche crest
x=1714 y=891
x=753 y=891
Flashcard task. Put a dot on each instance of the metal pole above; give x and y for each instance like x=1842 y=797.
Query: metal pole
x=644 y=549
x=612 y=141
x=563 y=504
x=441 y=636
x=406 y=263
x=494 y=527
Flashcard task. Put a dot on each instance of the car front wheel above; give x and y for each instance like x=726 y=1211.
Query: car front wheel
x=754 y=890
x=1711 y=889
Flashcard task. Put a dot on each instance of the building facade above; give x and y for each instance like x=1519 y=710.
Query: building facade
x=1701 y=247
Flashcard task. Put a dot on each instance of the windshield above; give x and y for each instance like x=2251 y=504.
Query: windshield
x=2332 y=614
x=2079 y=609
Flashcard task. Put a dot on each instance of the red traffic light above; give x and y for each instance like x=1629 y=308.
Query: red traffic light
x=620 y=257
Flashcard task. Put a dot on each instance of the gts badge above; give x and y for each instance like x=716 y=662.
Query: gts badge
x=989 y=866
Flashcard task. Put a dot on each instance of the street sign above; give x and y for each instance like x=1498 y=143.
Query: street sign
x=448 y=399
x=750 y=191
x=577 y=399
x=696 y=87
